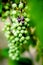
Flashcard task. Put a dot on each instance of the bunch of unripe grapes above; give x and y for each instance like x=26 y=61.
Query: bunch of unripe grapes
x=17 y=31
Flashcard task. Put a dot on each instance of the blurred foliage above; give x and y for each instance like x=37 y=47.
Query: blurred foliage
x=37 y=16
x=4 y=53
x=0 y=7
x=21 y=61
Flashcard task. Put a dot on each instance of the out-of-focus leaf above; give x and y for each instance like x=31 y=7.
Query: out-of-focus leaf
x=22 y=61
x=17 y=1
x=1 y=57
x=0 y=6
x=4 y=52
x=37 y=15
x=12 y=62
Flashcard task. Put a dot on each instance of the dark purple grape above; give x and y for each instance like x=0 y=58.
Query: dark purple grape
x=22 y=19
x=19 y=19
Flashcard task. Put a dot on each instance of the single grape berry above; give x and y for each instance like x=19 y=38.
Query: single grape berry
x=19 y=19
x=22 y=19
x=14 y=5
x=21 y=5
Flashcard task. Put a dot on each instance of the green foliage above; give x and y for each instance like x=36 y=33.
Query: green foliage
x=4 y=53
x=0 y=7
x=21 y=61
x=37 y=16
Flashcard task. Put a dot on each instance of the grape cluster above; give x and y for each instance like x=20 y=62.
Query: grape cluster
x=17 y=31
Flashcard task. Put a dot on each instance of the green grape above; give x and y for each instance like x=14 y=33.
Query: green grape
x=12 y=37
x=7 y=13
x=13 y=19
x=24 y=14
x=20 y=35
x=11 y=47
x=25 y=23
x=13 y=57
x=23 y=27
x=10 y=54
x=28 y=25
x=27 y=19
x=13 y=31
x=20 y=24
x=27 y=37
x=19 y=28
x=6 y=6
x=7 y=28
x=4 y=15
x=25 y=42
x=22 y=31
x=17 y=31
x=13 y=41
x=11 y=50
x=16 y=39
x=21 y=44
x=10 y=44
x=16 y=48
x=26 y=32
x=14 y=25
x=17 y=52
x=15 y=34
x=13 y=12
x=22 y=39
x=18 y=13
x=21 y=5
x=26 y=7
x=14 y=5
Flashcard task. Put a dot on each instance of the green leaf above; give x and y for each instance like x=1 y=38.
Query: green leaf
x=4 y=52
x=21 y=61
x=37 y=16
x=17 y=1
x=0 y=6
x=36 y=13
